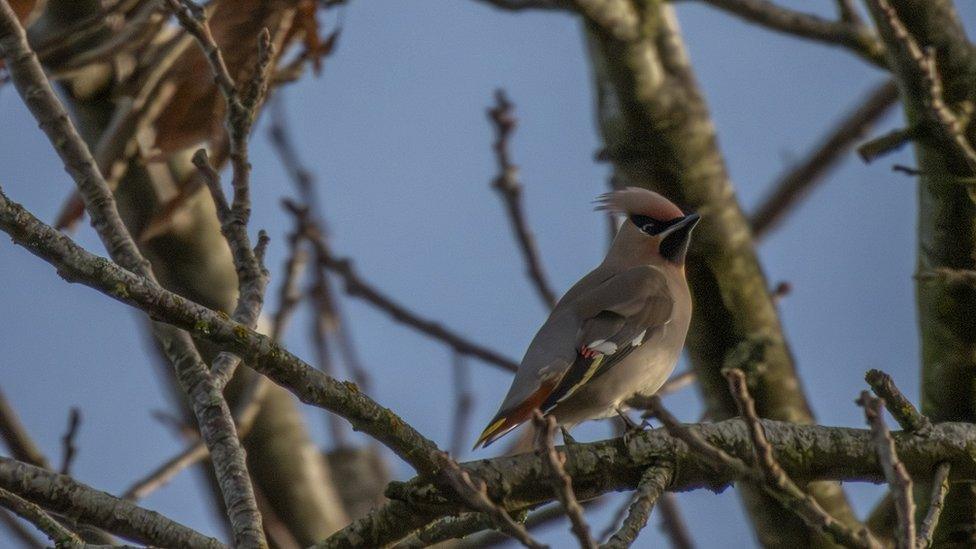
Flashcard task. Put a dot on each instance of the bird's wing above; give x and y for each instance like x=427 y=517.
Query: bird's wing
x=618 y=316
x=612 y=319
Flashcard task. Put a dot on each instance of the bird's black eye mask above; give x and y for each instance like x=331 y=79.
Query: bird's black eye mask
x=651 y=226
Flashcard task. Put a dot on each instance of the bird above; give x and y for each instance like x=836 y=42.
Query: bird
x=618 y=332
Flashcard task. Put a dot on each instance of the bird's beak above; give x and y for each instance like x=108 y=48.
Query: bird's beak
x=674 y=239
x=685 y=225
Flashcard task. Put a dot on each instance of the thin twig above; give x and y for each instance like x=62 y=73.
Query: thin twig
x=677 y=382
x=848 y=12
x=356 y=286
x=713 y=455
x=61 y=536
x=894 y=470
x=475 y=495
x=15 y=435
x=19 y=531
x=309 y=218
x=790 y=188
x=651 y=487
x=520 y=5
x=324 y=324
x=463 y=404
x=672 y=524
x=562 y=484
x=289 y=293
x=857 y=38
x=902 y=409
x=917 y=71
x=886 y=144
x=535 y=520
x=245 y=413
x=507 y=183
x=940 y=487
x=68 y=441
x=799 y=501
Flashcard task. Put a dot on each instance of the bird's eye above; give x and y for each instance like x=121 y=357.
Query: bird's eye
x=646 y=224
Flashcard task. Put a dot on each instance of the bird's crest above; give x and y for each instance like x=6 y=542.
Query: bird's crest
x=638 y=201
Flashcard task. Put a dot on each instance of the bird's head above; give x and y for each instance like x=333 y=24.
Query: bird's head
x=658 y=222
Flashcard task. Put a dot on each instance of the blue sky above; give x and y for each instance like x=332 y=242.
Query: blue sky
x=396 y=132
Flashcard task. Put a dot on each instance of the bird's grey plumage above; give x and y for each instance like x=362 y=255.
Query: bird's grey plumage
x=616 y=333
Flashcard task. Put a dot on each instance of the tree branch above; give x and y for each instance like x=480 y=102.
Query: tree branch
x=18 y=440
x=673 y=525
x=62 y=495
x=790 y=188
x=475 y=495
x=502 y=117
x=806 y=453
x=902 y=409
x=258 y=350
x=651 y=486
x=940 y=487
x=357 y=287
x=797 y=500
x=61 y=536
x=854 y=37
x=208 y=403
x=562 y=484
x=894 y=470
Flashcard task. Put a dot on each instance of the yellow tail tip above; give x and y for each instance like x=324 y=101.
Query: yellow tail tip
x=486 y=434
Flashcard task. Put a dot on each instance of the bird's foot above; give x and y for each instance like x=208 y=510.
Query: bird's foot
x=631 y=429
x=568 y=439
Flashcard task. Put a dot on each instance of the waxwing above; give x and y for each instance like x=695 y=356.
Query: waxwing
x=616 y=333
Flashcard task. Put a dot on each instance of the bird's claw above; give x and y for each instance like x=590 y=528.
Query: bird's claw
x=631 y=429
x=568 y=439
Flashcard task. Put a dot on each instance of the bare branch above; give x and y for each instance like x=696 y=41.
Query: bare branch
x=19 y=531
x=917 y=72
x=940 y=487
x=800 y=502
x=208 y=403
x=464 y=402
x=652 y=486
x=894 y=469
x=61 y=536
x=62 y=495
x=244 y=416
x=830 y=453
x=677 y=382
x=855 y=38
x=673 y=524
x=475 y=495
x=502 y=117
x=68 y=441
x=309 y=219
x=902 y=409
x=250 y=401
x=258 y=350
x=18 y=440
x=289 y=293
x=790 y=188
x=562 y=484
x=522 y=5
x=886 y=144
x=356 y=286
